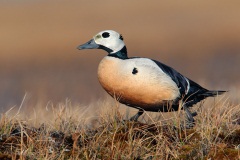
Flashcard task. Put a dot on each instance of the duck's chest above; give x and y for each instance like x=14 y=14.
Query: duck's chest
x=113 y=74
x=136 y=82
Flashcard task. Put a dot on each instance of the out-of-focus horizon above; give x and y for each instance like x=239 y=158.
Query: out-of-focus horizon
x=38 y=40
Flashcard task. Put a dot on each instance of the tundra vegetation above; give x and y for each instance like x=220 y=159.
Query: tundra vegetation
x=102 y=131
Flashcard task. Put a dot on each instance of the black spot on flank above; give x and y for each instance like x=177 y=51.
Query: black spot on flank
x=121 y=37
x=135 y=71
x=105 y=34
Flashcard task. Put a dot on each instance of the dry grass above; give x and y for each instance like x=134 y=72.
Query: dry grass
x=65 y=131
x=38 y=41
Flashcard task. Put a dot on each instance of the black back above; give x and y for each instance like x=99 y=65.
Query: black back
x=195 y=94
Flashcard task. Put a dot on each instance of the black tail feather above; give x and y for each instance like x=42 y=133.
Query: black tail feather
x=201 y=95
x=212 y=93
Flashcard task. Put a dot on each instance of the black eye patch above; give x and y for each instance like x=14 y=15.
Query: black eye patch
x=105 y=34
x=121 y=37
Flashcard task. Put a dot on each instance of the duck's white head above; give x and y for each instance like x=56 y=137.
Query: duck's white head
x=108 y=40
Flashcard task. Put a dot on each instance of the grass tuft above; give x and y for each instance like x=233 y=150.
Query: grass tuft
x=67 y=135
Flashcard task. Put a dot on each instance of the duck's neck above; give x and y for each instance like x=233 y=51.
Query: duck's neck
x=122 y=54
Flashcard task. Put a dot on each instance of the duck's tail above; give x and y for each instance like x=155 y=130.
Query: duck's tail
x=212 y=93
x=201 y=95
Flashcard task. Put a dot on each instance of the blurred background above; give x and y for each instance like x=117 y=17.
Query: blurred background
x=38 y=40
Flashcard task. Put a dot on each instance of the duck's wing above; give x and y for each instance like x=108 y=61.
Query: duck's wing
x=181 y=81
x=190 y=91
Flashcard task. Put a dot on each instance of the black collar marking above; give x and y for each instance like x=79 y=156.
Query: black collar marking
x=105 y=48
x=122 y=54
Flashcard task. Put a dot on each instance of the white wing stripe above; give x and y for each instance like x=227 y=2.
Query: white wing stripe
x=188 y=85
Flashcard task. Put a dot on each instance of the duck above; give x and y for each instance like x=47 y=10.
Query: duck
x=144 y=83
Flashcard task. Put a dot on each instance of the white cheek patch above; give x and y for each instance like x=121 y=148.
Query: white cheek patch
x=117 y=46
x=112 y=42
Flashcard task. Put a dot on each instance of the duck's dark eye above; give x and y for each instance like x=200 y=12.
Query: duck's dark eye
x=105 y=35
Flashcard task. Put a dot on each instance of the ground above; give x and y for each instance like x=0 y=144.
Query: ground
x=216 y=135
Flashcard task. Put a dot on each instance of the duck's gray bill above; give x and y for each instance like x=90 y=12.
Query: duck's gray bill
x=89 y=45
